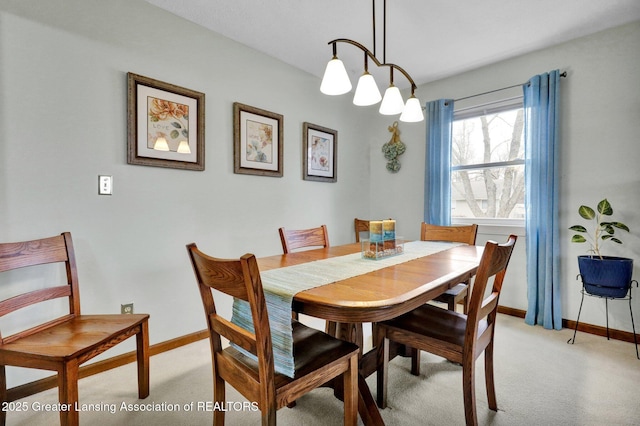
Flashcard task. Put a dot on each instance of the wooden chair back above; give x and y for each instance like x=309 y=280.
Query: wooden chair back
x=303 y=238
x=459 y=234
x=459 y=293
x=238 y=278
x=360 y=225
x=58 y=249
x=493 y=264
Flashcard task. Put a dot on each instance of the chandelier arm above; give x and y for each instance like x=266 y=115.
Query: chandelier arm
x=374 y=59
x=359 y=46
x=406 y=74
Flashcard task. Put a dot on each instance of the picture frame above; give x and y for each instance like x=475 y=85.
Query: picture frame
x=319 y=153
x=258 y=137
x=165 y=124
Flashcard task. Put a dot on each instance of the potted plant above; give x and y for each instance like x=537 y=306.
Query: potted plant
x=606 y=276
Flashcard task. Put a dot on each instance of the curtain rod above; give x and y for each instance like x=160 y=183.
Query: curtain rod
x=563 y=74
x=486 y=104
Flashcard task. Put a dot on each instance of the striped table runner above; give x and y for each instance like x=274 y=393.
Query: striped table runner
x=281 y=285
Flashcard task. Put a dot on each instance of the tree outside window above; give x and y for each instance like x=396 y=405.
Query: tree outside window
x=487 y=179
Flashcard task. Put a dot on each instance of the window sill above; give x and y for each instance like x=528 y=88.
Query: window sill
x=502 y=230
x=494 y=226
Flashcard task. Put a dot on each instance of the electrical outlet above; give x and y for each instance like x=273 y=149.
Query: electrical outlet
x=127 y=308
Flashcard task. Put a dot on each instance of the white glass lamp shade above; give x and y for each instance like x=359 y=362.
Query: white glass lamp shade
x=412 y=112
x=392 y=102
x=367 y=92
x=335 y=80
x=183 y=148
x=161 y=144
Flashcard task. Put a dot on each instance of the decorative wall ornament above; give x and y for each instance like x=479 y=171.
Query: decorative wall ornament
x=393 y=149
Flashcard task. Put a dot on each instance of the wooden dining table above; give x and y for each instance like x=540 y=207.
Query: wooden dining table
x=375 y=296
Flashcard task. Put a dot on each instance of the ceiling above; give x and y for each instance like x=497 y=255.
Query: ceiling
x=430 y=39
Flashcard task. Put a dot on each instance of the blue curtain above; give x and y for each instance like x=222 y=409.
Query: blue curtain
x=437 y=179
x=541 y=178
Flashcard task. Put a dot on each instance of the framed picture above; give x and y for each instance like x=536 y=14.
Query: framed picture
x=165 y=124
x=257 y=141
x=319 y=153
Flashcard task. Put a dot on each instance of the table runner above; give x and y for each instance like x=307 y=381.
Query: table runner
x=281 y=285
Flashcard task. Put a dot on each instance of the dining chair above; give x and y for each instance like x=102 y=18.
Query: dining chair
x=360 y=225
x=294 y=239
x=62 y=343
x=303 y=238
x=458 y=293
x=457 y=337
x=459 y=234
x=318 y=357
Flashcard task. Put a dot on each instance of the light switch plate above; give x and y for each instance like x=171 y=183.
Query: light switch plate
x=105 y=185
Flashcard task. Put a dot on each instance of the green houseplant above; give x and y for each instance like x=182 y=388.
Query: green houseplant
x=603 y=230
x=606 y=276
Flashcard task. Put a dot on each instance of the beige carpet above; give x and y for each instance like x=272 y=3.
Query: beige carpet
x=540 y=380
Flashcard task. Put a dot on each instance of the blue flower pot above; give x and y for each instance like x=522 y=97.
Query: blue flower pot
x=606 y=277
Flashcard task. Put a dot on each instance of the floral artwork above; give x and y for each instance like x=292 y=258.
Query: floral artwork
x=259 y=146
x=165 y=124
x=257 y=141
x=169 y=120
x=319 y=153
x=320 y=146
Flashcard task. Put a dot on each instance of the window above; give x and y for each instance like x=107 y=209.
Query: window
x=487 y=164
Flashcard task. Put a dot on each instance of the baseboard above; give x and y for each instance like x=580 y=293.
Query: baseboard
x=50 y=382
x=511 y=311
x=624 y=336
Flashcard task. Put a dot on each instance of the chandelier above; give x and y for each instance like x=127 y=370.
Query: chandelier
x=336 y=80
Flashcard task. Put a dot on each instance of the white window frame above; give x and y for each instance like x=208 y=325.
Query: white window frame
x=476 y=111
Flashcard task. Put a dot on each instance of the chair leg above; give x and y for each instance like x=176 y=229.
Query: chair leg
x=489 y=377
x=382 y=345
x=68 y=393
x=469 y=391
x=142 y=353
x=351 y=393
x=451 y=304
x=269 y=416
x=415 y=361
x=268 y=406
x=3 y=394
x=218 y=399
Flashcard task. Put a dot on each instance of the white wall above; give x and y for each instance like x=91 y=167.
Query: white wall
x=63 y=86
x=63 y=66
x=600 y=155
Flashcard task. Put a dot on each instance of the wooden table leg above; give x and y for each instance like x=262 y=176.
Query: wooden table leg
x=366 y=404
x=367 y=407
